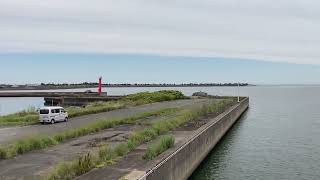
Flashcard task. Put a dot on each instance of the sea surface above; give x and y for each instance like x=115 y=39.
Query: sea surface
x=277 y=138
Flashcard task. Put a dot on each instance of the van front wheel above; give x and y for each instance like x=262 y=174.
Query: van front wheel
x=52 y=121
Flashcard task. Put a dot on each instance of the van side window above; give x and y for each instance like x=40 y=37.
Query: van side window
x=44 y=111
x=62 y=111
x=57 y=110
x=53 y=111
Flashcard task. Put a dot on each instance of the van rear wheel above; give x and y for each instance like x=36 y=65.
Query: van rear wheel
x=52 y=121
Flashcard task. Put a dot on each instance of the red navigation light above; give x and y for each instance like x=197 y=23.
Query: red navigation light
x=100 y=86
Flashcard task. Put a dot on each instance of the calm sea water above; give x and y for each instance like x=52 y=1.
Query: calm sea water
x=278 y=137
x=12 y=105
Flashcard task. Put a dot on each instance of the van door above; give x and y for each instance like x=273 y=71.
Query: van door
x=55 y=114
x=44 y=115
x=59 y=115
x=63 y=114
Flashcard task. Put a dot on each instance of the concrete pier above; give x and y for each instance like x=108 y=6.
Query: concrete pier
x=183 y=160
x=76 y=101
x=49 y=94
x=64 y=98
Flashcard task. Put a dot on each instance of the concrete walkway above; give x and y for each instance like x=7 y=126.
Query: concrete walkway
x=133 y=164
x=14 y=133
x=38 y=164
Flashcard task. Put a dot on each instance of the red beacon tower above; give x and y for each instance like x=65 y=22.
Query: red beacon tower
x=100 y=86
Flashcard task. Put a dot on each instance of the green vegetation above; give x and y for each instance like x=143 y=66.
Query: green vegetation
x=28 y=144
x=68 y=171
x=94 y=108
x=151 y=97
x=155 y=149
x=108 y=155
x=30 y=116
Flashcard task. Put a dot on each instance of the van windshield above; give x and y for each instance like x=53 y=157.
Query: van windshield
x=44 y=111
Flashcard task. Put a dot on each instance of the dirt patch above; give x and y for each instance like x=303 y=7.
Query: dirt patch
x=118 y=170
x=99 y=141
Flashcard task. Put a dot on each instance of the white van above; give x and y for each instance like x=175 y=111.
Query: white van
x=52 y=114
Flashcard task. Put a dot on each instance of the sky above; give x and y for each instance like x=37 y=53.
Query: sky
x=215 y=36
x=136 y=68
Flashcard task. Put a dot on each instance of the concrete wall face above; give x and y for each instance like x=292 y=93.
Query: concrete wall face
x=185 y=160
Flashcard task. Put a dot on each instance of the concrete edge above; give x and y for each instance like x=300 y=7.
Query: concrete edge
x=158 y=163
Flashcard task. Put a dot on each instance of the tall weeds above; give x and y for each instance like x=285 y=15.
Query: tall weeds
x=155 y=149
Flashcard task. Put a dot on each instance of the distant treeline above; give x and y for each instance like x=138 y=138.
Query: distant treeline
x=92 y=85
x=149 y=85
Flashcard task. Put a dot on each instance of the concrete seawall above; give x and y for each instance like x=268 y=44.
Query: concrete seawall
x=185 y=159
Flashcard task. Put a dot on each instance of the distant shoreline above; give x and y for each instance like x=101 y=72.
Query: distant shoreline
x=52 y=87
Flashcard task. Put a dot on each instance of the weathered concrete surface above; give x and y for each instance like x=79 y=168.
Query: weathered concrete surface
x=179 y=164
x=37 y=164
x=133 y=163
x=13 y=133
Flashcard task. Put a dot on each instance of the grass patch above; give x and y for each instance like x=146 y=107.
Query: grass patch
x=151 y=97
x=67 y=171
x=30 y=116
x=25 y=117
x=155 y=149
x=35 y=143
x=107 y=155
x=94 y=108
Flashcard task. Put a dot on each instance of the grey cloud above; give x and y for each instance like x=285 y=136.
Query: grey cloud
x=282 y=30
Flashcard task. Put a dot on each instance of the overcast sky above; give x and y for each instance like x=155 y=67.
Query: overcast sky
x=271 y=30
